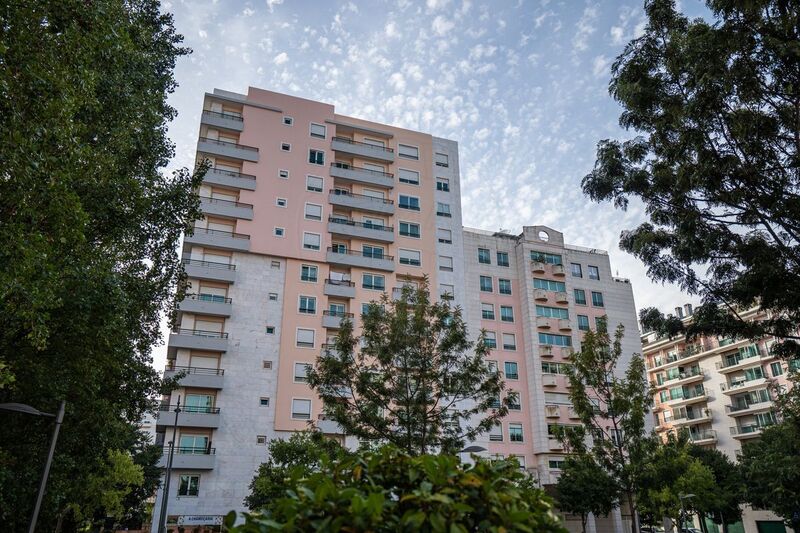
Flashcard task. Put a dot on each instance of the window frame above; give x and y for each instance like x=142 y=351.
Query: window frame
x=400 y=153
x=310 y=409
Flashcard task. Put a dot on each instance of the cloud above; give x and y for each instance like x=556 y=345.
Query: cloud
x=585 y=29
x=272 y=3
x=281 y=58
x=435 y=5
x=600 y=66
x=442 y=26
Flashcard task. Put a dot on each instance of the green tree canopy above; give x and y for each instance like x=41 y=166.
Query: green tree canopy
x=585 y=487
x=724 y=505
x=715 y=162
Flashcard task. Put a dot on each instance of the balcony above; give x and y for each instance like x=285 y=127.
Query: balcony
x=359 y=260
x=688 y=419
x=359 y=149
x=747 y=358
x=228 y=121
x=196 y=417
x=748 y=431
x=552 y=411
x=226 y=208
x=736 y=387
x=564 y=325
x=694 y=374
x=339 y=288
x=214 y=238
x=542 y=322
x=230 y=179
x=549 y=380
x=209 y=270
x=748 y=408
x=360 y=230
x=688 y=397
x=333 y=319
x=198 y=339
x=206 y=304
x=545 y=350
x=558 y=271
x=554 y=444
x=328 y=427
x=227 y=149
x=561 y=298
x=538 y=267
x=364 y=176
x=706 y=436
x=567 y=351
x=687 y=355
x=189 y=458
x=361 y=202
x=540 y=295
x=205 y=378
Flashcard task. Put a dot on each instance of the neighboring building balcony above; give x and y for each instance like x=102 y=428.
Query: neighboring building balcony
x=209 y=270
x=214 y=238
x=360 y=260
x=748 y=408
x=339 y=288
x=206 y=304
x=226 y=208
x=359 y=149
x=189 y=458
x=361 y=202
x=748 y=357
x=227 y=149
x=542 y=322
x=538 y=267
x=328 y=427
x=688 y=419
x=345 y=227
x=198 y=339
x=549 y=380
x=225 y=120
x=193 y=376
x=545 y=350
x=690 y=353
x=230 y=179
x=689 y=397
x=328 y=349
x=567 y=351
x=564 y=325
x=558 y=271
x=195 y=417
x=693 y=375
x=747 y=432
x=561 y=298
x=702 y=437
x=363 y=176
x=554 y=444
x=552 y=411
x=540 y=295
x=745 y=385
x=333 y=319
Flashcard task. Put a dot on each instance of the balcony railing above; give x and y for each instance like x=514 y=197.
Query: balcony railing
x=749 y=429
x=703 y=435
x=376 y=173
x=232 y=173
x=196 y=370
x=221 y=233
x=229 y=144
x=190 y=409
x=367 y=225
x=208 y=264
x=340 y=314
x=209 y=298
x=340 y=192
x=358 y=143
x=229 y=203
x=743 y=383
x=200 y=333
x=369 y=255
x=192 y=450
x=340 y=282
x=223 y=114
x=735 y=408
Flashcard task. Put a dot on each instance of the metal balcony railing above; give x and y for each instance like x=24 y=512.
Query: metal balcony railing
x=358 y=143
x=230 y=203
x=190 y=409
x=376 y=173
x=340 y=282
x=209 y=298
x=224 y=114
x=340 y=192
x=208 y=264
x=341 y=314
x=232 y=173
x=200 y=333
x=221 y=233
x=366 y=225
x=229 y=144
x=360 y=254
x=196 y=370
x=192 y=450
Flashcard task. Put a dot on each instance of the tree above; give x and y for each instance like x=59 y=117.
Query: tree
x=724 y=505
x=715 y=163
x=612 y=411
x=388 y=490
x=302 y=452
x=90 y=228
x=411 y=378
x=585 y=487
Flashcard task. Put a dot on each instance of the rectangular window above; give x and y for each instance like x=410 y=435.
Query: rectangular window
x=283 y=174
x=301 y=409
x=408 y=176
x=444 y=235
x=263 y=401
x=273 y=297
x=487 y=311
x=511 y=370
x=594 y=272
x=601 y=324
x=286 y=147
x=502 y=259
x=484 y=256
x=496 y=433
x=301 y=372
x=373 y=281
x=270 y=330
x=375 y=252
x=445 y=263
x=442 y=160
x=442 y=184
x=549 y=285
x=555 y=340
x=311 y=241
x=313 y=212
x=316 y=157
x=189 y=485
x=509 y=341
x=776 y=369
x=506 y=313
x=408 y=202
x=555 y=464
x=583 y=322
x=308 y=273
x=279 y=232
x=409 y=229
x=313 y=184
x=308 y=305
x=304 y=338
x=280 y=202
x=551 y=312
x=408 y=152
x=504 y=286
x=410 y=257
x=317 y=130
x=597 y=299
x=490 y=339
x=515 y=432
x=261 y=440
x=446 y=291
x=575 y=268
x=544 y=257
x=580 y=296
x=486 y=283
x=443 y=210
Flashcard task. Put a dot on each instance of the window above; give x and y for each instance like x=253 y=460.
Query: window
x=594 y=272
x=409 y=229
x=304 y=338
x=442 y=184
x=308 y=305
x=263 y=401
x=443 y=210
x=486 y=283
x=313 y=184
x=189 y=485
x=408 y=202
x=375 y=252
x=308 y=273
x=270 y=330
x=776 y=369
x=445 y=263
x=311 y=241
x=580 y=296
x=275 y=265
x=288 y=121
x=408 y=152
x=444 y=235
x=551 y=312
x=544 y=257
x=487 y=311
x=555 y=340
x=515 y=432
x=502 y=259
x=317 y=130
x=446 y=291
x=410 y=257
x=583 y=322
x=301 y=372
x=513 y=403
x=279 y=232
x=316 y=157
x=597 y=299
x=484 y=256
x=506 y=313
x=283 y=174
x=496 y=433
x=373 y=281
x=556 y=464
x=408 y=176
x=286 y=147
x=511 y=370
x=313 y=212
x=261 y=440
x=509 y=341
x=554 y=368
x=575 y=268
x=601 y=324
x=273 y=297
x=280 y=202
x=301 y=409
x=490 y=339
x=549 y=285
x=442 y=160
x=504 y=286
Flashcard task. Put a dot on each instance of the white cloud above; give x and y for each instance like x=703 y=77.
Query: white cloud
x=600 y=65
x=391 y=30
x=442 y=26
x=585 y=29
x=272 y=3
x=281 y=58
x=397 y=81
x=435 y=5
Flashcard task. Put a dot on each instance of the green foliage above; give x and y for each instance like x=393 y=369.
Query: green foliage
x=585 y=487
x=108 y=490
x=404 y=380
x=301 y=453
x=388 y=490
x=715 y=161
x=724 y=505
x=90 y=228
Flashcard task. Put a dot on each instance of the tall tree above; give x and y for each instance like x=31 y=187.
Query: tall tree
x=724 y=505
x=716 y=109
x=585 y=487
x=612 y=410
x=412 y=377
x=90 y=227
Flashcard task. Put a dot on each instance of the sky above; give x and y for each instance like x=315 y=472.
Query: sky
x=522 y=86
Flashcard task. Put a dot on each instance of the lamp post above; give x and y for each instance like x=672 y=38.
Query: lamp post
x=682 y=497
x=162 y=519
x=28 y=410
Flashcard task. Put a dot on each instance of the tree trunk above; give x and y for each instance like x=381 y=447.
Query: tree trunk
x=584 y=517
x=634 y=518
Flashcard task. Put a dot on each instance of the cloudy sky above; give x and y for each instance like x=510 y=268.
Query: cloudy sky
x=521 y=85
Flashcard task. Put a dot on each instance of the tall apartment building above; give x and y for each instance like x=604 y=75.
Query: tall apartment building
x=719 y=390
x=309 y=216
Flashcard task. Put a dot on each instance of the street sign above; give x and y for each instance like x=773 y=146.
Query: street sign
x=200 y=520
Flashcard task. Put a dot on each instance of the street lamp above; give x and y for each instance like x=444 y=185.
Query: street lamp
x=28 y=410
x=162 y=519
x=682 y=497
